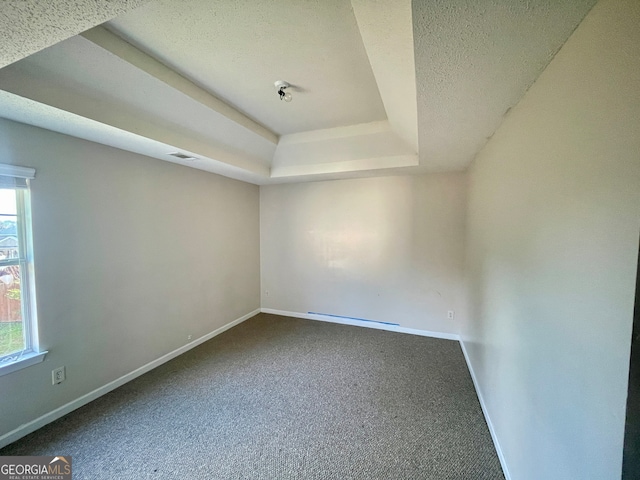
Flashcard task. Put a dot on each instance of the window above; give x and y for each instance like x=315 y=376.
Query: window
x=18 y=328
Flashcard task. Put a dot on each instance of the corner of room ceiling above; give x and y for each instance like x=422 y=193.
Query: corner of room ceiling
x=362 y=147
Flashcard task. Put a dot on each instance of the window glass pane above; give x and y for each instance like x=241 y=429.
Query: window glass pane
x=11 y=326
x=9 y=237
x=7 y=201
x=8 y=225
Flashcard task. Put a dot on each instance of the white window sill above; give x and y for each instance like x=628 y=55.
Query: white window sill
x=24 y=361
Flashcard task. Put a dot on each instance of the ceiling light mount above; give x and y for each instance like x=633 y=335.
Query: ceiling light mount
x=281 y=87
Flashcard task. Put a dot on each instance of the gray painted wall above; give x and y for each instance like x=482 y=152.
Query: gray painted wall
x=132 y=256
x=552 y=245
x=385 y=249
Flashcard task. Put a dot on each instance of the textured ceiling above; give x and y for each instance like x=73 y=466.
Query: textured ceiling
x=96 y=84
x=27 y=26
x=387 y=31
x=26 y=111
x=237 y=49
x=372 y=77
x=474 y=61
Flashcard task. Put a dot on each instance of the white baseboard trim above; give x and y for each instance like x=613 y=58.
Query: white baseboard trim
x=362 y=323
x=485 y=412
x=40 y=422
x=43 y=420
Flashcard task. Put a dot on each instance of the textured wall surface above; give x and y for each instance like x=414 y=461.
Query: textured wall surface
x=132 y=255
x=552 y=248
x=27 y=26
x=386 y=249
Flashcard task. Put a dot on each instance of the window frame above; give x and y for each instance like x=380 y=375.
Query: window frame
x=31 y=353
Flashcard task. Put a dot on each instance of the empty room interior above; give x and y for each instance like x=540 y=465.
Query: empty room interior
x=337 y=239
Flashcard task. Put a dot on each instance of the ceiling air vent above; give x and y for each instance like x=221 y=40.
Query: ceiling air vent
x=182 y=156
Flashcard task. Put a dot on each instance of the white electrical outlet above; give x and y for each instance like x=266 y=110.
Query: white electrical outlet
x=450 y=315
x=188 y=337
x=58 y=375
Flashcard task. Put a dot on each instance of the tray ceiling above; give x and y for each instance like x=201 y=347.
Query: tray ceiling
x=380 y=87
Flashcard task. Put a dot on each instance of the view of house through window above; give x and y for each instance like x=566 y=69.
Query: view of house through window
x=14 y=326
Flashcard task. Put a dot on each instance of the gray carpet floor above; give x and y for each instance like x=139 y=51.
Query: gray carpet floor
x=284 y=398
